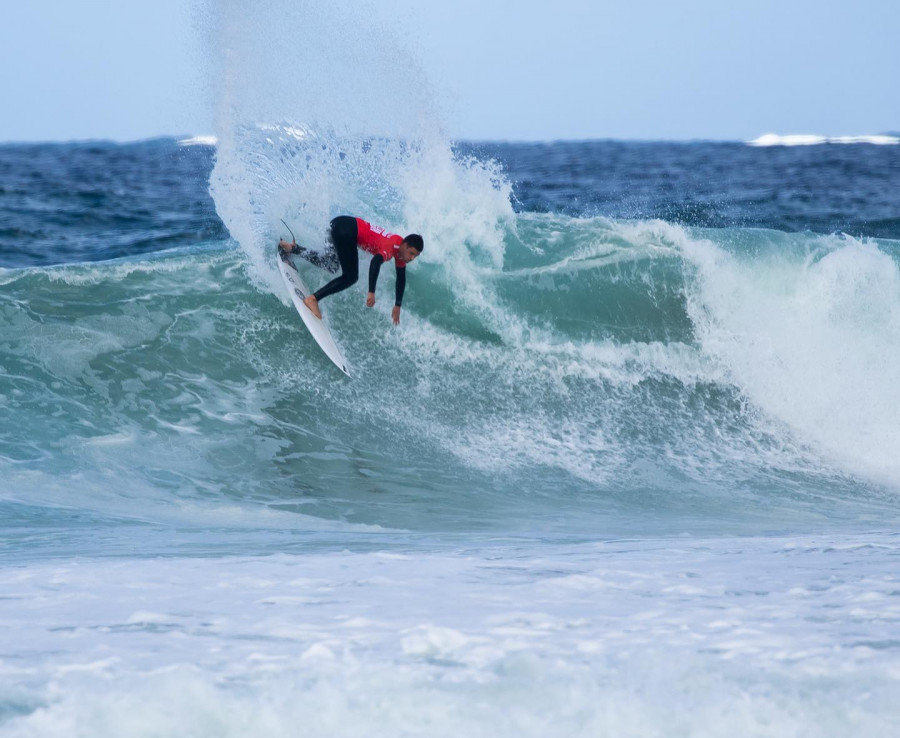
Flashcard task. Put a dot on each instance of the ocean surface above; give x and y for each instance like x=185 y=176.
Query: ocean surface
x=627 y=467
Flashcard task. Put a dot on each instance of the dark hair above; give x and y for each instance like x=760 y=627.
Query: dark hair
x=415 y=240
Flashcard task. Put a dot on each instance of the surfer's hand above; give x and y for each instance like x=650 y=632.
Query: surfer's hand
x=395 y=315
x=370 y=300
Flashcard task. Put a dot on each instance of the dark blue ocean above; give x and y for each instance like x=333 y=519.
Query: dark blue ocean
x=627 y=467
x=96 y=201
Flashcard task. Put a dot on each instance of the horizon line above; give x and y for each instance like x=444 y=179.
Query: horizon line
x=764 y=140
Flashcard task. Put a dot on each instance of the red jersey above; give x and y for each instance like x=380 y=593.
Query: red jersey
x=376 y=240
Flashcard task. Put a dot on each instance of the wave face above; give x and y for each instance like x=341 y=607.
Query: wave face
x=640 y=373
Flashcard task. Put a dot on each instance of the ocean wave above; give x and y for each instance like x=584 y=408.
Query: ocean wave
x=729 y=365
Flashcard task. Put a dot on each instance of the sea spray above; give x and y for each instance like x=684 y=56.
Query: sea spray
x=321 y=116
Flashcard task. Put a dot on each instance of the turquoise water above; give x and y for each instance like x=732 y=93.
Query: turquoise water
x=614 y=377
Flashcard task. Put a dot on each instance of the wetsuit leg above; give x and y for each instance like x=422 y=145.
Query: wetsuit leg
x=343 y=236
x=326 y=260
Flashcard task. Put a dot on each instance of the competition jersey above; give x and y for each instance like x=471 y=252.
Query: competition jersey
x=376 y=240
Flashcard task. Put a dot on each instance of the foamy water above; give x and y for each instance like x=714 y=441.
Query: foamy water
x=675 y=637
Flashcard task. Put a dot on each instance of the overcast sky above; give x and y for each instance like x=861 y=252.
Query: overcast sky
x=513 y=70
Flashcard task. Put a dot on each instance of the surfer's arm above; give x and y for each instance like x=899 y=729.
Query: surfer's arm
x=401 y=286
x=374 y=269
x=398 y=300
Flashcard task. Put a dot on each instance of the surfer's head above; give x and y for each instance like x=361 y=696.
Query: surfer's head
x=411 y=247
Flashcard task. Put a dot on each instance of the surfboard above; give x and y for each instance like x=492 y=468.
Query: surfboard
x=317 y=328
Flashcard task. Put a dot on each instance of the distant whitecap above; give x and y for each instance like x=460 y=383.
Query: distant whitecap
x=199 y=141
x=773 y=139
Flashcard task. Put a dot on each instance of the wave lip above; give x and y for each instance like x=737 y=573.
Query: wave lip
x=774 y=139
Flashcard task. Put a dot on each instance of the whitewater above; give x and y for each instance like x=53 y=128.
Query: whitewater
x=627 y=466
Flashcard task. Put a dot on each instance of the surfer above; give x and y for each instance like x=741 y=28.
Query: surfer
x=345 y=234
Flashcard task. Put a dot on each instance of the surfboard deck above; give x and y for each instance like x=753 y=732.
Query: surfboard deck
x=316 y=327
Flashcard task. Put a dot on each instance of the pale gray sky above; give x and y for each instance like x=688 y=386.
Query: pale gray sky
x=502 y=69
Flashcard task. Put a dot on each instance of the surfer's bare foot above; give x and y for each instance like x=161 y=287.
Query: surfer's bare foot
x=285 y=246
x=313 y=304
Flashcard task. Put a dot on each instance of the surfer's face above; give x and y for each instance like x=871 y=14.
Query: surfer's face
x=407 y=252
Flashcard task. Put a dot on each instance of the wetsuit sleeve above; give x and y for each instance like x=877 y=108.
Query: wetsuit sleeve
x=401 y=285
x=374 y=268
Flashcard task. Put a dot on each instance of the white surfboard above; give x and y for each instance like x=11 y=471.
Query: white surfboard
x=317 y=328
